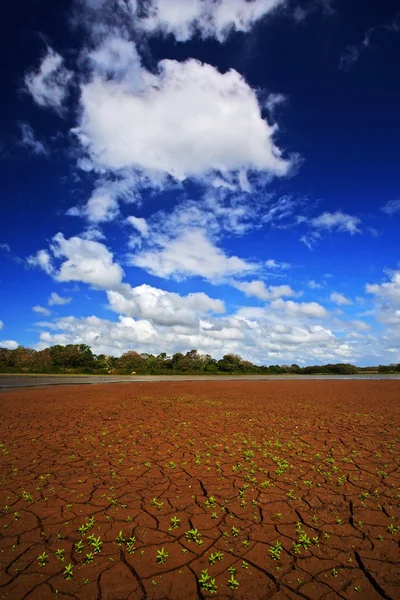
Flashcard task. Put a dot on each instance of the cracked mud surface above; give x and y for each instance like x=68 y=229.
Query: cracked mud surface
x=289 y=488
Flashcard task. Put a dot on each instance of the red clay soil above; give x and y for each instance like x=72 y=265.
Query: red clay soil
x=180 y=491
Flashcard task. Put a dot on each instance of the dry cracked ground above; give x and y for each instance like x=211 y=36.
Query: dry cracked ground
x=180 y=491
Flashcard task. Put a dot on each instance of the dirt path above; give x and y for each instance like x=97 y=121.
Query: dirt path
x=251 y=490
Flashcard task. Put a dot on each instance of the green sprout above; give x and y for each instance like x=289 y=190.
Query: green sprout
x=162 y=556
x=42 y=559
x=233 y=583
x=120 y=539
x=69 y=571
x=216 y=556
x=206 y=583
x=276 y=550
x=174 y=522
x=60 y=554
x=130 y=545
x=95 y=543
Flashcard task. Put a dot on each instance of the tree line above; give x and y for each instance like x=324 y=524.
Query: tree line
x=79 y=359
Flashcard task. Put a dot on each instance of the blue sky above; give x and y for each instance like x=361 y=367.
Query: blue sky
x=210 y=174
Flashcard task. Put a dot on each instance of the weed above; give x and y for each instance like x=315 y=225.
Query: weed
x=216 y=556
x=120 y=540
x=60 y=554
x=42 y=559
x=207 y=583
x=193 y=535
x=69 y=571
x=174 y=522
x=162 y=556
x=233 y=583
x=276 y=550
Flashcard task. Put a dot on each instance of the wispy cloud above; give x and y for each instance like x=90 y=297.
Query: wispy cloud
x=352 y=53
x=391 y=207
x=48 y=86
x=29 y=141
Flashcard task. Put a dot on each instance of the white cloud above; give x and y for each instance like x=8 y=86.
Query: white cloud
x=101 y=207
x=275 y=100
x=41 y=259
x=338 y=221
x=258 y=289
x=58 y=300
x=352 y=53
x=191 y=254
x=300 y=309
x=139 y=224
x=340 y=299
x=329 y=222
x=8 y=344
x=314 y=285
x=391 y=207
x=48 y=86
x=189 y=120
x=28 y=140
x=273 y=264
x=1 y=325
x=5 y=247
x=264 y=335
x=161 y=307
x=87 y=261
x=387 y=292
x=41 y=310
x=208 y=18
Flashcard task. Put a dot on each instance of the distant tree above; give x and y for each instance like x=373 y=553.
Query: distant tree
x=131 y=361
x=230 y=363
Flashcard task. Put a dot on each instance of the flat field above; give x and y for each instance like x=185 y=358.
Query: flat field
x=181 y=491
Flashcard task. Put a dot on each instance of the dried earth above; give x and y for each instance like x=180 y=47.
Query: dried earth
x=181 y=491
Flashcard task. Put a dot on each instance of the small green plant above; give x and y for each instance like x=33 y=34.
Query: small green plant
x=69 y=571
x=27 y=497
x=207 y=583
x=233 y=583
x=162 y=556
x=79 y=547
x=216 y=556
x=42 y=559
x=120 y=540
x=211 y=502
x=175 y=522
x=130 y=545
x=393 y=529
x=246 y=543
x=96 y=543
x=193 y=535
x=156 y=504
x=89 y=557
x=304 y=541
x=60 y=554
x=276 y=550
